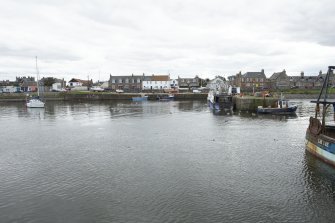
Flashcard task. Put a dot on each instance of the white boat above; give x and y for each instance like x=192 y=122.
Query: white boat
x=219 y=101
x=218 y=98
x=97 y=89
x=36 y=101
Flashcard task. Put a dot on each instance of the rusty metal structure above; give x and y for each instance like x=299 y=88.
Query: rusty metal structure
x=320 y=137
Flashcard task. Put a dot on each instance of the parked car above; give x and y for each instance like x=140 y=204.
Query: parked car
x=119 y=91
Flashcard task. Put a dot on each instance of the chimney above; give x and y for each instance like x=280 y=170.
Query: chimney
x=302 y=74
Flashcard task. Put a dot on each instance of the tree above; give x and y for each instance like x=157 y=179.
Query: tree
x=49 y=81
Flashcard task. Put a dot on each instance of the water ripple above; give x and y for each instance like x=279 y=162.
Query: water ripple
x=159 y=162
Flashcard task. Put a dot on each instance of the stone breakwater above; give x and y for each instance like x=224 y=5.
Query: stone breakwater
x=89 y=96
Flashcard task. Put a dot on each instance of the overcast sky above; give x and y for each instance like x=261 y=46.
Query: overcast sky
x=186 y=38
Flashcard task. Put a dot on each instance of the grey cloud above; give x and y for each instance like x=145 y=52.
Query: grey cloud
x=185 y=37
x=46 y=54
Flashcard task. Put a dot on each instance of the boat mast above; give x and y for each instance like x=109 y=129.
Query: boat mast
x=37 y=73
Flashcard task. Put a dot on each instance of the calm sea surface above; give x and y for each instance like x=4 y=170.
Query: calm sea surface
x=159 y=162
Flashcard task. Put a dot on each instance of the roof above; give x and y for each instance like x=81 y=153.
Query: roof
x=160 y=78
x=76 y=80
x=128 y=76
x=28 y=83
x=147 y=78
x=254 y=75
x=299 y=78
x=84 y=82
x=218 y=78
x=276 y=75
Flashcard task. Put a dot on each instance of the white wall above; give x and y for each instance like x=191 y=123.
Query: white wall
x=79 y=88
x=74 y=84
x=56 y=86
x=9 y=89
x=156 y=85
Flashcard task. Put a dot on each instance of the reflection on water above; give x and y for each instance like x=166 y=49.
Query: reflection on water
x=35 y=113
x=319 y=186
x=157 y=161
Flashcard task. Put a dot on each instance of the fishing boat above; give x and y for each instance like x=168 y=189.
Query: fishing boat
x=282 y=108
x=168 y=97
x=219 y=98
x=320 y=137
x=140 y=98
x=36 y=102
x=219 y=101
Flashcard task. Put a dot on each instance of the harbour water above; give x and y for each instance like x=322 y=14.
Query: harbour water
x=159 y=162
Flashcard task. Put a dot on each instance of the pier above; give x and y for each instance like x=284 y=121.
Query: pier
x=250 y=103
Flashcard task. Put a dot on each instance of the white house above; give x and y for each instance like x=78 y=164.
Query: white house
x=10 y=89
x=76 y=82
x=156 y=82
x=218 y=84
x=56 y=87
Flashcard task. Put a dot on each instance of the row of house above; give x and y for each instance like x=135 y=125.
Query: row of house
x=28 y=84
x=131 y=83
x=278 y=80
x=137 y=83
